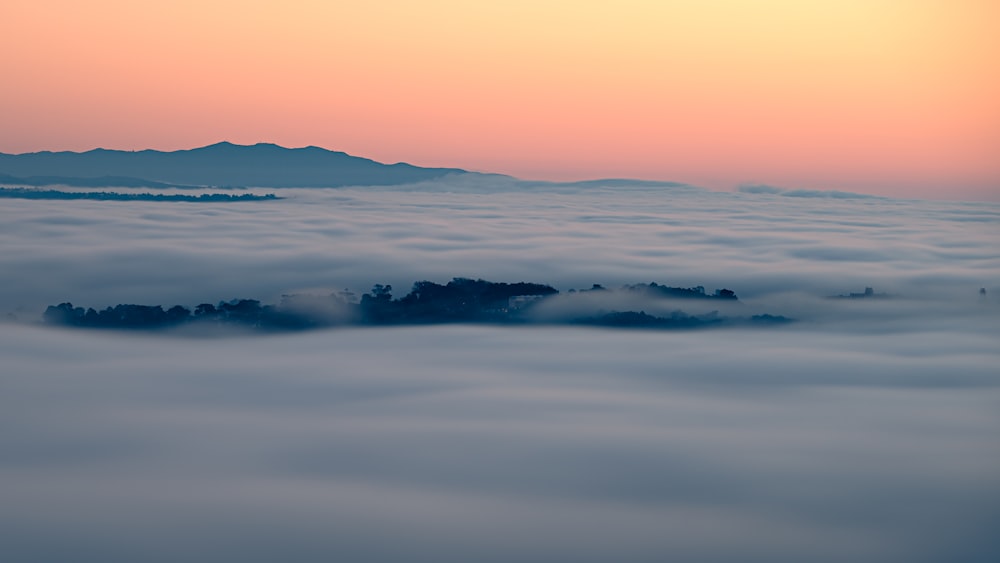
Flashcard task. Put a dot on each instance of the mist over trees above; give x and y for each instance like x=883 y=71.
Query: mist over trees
x=462 y=300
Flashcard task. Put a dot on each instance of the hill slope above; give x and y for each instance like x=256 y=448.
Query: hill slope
x=221 y=164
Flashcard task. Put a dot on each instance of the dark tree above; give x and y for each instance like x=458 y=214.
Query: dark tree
x=205 y=310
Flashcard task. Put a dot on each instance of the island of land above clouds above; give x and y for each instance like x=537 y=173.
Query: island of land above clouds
x=263 y=165
x=461 y=300
x=229 y=166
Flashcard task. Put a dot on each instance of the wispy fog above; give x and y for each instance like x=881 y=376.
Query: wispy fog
x=869 y=430
x=102 y=253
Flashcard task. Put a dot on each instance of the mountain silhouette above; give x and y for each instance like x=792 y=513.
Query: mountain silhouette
x=222 y=164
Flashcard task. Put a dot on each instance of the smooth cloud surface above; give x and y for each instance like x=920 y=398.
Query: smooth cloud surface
x=865 y=432
x=459 y=443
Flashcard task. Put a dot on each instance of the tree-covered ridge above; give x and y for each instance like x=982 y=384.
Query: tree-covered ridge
x=697 y=292
x=29 y=193
x=461 y=300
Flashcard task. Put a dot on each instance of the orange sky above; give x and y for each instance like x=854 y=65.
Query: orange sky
x=896 y=97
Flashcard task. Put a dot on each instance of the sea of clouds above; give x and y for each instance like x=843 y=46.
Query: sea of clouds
x=867 y=431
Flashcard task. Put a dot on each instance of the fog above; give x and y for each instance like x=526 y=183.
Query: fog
x=868 y=430
x=101 y=253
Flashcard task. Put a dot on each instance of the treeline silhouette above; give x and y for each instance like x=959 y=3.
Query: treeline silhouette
x=29 y=193
x=697 y=292
x=90 y=182
x=461 y=300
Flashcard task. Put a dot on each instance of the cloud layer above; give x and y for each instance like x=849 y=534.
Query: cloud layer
x=865 y=432
x=571 y=236
x=466 y=443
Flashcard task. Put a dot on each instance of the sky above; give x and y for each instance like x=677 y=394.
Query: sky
x=892 y=97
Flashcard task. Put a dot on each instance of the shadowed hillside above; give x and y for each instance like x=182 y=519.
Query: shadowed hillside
x=222 y=164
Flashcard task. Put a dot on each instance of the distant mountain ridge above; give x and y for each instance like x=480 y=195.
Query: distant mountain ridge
x=223 y=164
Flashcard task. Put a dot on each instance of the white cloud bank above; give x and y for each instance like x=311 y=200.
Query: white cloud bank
x=866 y=432
x=103 y=253
x=488 y=444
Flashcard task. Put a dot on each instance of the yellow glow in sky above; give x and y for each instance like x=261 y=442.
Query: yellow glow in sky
x=886 y=96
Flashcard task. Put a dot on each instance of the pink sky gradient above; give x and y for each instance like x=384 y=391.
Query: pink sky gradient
x=893 y=97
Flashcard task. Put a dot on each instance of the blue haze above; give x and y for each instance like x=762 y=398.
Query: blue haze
x=868 y=431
